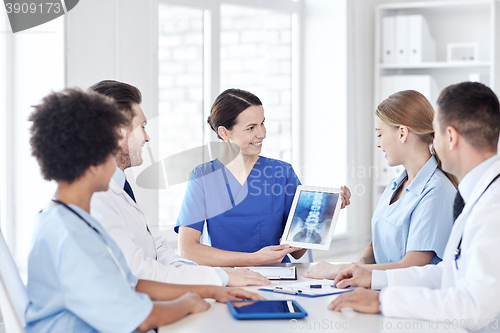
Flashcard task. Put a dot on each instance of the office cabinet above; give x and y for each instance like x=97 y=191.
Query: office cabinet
x=412 y=43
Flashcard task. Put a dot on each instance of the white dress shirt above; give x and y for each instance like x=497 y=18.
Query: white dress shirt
x=149 y=257
x=467 y=289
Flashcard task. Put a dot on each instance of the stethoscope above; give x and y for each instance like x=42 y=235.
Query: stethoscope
x=115 y=260
x=458 y=251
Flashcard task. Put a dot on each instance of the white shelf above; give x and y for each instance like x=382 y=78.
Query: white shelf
x=435 y=4
x=449 y=21
x=436 y=65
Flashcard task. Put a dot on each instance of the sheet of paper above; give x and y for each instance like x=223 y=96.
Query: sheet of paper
x=275 y=273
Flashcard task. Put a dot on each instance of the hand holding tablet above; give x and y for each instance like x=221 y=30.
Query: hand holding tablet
x=312 y=218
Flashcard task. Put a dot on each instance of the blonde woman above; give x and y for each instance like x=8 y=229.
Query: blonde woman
x=413 y=219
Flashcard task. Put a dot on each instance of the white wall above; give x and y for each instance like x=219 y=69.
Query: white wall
x=116 y=40
x=360 y=112
x=323 y=89
x=3 y=117
x=322 y=134
x=35 y=67
x=115 y=46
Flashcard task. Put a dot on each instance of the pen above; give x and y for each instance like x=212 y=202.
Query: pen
x=291 y=292
x=315 y=286
x=286 y=291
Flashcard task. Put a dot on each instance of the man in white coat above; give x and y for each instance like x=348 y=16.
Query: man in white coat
x=464 y=289
x=148 y=256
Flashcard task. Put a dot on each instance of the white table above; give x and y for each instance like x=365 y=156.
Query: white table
x=218 y=319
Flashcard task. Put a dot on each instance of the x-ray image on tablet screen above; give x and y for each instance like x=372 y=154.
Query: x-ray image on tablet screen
x=312 y=218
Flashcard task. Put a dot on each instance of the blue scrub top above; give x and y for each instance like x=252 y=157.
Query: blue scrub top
x=73 y=282
x=240 y=218
x=419 y=221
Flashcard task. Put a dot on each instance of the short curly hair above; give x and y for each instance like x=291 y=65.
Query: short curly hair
x=73 y=130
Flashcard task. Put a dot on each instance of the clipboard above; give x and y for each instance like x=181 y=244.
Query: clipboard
x=309 y=289
x=276 y=272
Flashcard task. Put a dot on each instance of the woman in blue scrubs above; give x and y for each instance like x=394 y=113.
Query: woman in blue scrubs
x=414 y=217
x=245 y=201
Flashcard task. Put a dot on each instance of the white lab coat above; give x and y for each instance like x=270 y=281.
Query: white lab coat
x=126 y=221
x=470 y=294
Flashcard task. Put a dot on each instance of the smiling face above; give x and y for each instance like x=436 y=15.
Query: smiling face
x=249 y=130
x=388 y=141
x=134 y=139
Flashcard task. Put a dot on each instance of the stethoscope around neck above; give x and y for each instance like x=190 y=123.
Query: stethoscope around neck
x=115 y=260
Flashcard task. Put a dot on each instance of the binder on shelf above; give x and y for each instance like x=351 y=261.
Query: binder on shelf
x=422 y=47
x=407 y=39
x=402 y=43
x=389 y=39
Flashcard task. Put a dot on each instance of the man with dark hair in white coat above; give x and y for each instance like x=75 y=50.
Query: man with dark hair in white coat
x=463 y=289
x=148 y=256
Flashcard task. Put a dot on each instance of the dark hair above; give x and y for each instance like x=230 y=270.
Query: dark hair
x=474 y=111
x=228 y=105
x=73 y=130
x=124 y=94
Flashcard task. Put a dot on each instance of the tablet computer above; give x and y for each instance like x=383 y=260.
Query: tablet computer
x=312 y=217
x=266 y=309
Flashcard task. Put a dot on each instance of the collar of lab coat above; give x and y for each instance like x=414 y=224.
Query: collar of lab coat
x=481 y=185
x=119 y=177
x=117 y=189
x=468 y=183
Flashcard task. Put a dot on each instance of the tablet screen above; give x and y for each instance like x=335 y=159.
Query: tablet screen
x=265 y=307
x=312 y=217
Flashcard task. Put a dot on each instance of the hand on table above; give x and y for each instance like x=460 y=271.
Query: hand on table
x=361 y=300
x=324 y=270
x=345 y=196
x=224 y=294
x=244 y=277
x=354 y=276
